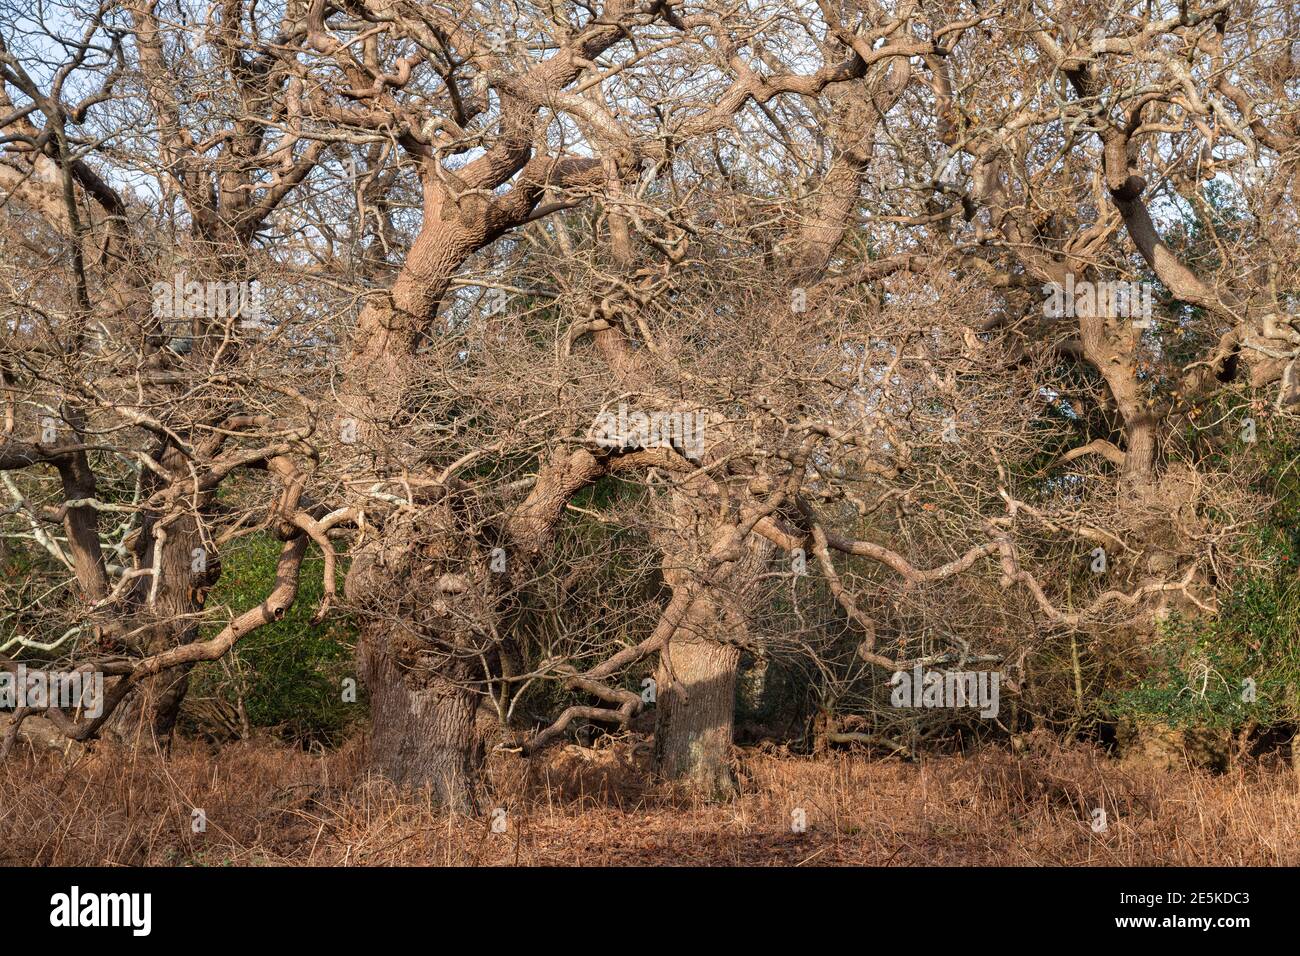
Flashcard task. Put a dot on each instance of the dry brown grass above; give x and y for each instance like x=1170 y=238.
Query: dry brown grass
x=269 y=805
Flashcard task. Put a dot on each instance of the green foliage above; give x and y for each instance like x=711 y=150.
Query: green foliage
x=1202 y=668
x=288 y=675
x=1201 y=664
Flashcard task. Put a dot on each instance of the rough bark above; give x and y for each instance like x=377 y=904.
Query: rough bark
x=708 y=557
x=420 y=732
x=423 y=727
x=429 y=605
x=166 y=612
x=696 y=708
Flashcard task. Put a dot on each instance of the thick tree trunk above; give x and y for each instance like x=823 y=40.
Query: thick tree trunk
x=423 y=733
x=421 y=715
x=696 y=715
x=169 y=620
x=696 y=682
x=427 y=597
x=153 y=708
x=444 y=598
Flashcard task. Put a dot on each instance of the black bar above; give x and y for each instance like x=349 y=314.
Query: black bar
x=332 y=907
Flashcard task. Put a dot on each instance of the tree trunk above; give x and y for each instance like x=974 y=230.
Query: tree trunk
x=152 y=709
x=696 y=709
x=422 y=674
x=696 y=682
x=169 y=621
x=423 y=736
x=426 y=596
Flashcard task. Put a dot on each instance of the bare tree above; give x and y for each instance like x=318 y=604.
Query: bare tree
x=675 y=333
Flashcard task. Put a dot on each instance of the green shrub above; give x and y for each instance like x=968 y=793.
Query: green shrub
x=1202 y=664
x=287 y=676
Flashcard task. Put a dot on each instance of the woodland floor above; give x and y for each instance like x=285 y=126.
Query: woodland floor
x=268 y=804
